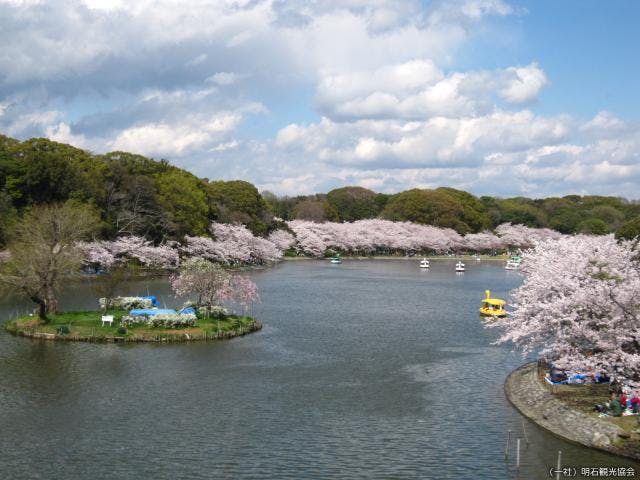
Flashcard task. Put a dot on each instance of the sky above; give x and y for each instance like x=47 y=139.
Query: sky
x=497 y=97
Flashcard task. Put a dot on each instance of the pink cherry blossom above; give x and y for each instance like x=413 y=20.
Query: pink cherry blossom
x=579 y=305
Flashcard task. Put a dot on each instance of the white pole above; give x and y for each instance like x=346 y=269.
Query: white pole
x=518 y=454
x=559 y=464
x=506 y=450
x=524 y=431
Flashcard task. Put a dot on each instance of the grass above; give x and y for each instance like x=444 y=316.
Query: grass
x=87 y=325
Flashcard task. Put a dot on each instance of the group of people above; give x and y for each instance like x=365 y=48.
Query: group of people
x=619 y=402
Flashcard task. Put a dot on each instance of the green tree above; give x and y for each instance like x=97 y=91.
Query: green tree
x=183 y=202
x=566 y=220
x=316 y=211
x=629 y=230
x=8 y=214
x=593 y=226
x=353 y=203
x=520 y=210
x=237 y=201
x=610 y=215
x=430 y=207
x=474 y=213
x=44 y=253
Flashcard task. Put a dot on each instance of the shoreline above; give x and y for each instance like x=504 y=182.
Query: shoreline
x=533 y=400
x=503 y=258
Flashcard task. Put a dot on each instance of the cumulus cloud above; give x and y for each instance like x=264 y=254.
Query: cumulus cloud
x=438 y=141
x=333 y=92
x=419 y=89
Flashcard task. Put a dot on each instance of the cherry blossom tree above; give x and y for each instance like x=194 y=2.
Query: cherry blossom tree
x=232 y=244
x=483 y=242
x=579 y=305
x=212 y=285
x=205 y=280
x=109 y=253
x=243 y=291
x=282 y=239
x=384 y=236
x=520 y=236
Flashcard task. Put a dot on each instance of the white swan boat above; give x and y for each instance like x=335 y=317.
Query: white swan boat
x=424 y=263
x=459 y=267
x=513 y=263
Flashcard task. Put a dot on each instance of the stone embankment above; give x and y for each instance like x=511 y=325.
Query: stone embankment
x=165 y=337
x=525 y=391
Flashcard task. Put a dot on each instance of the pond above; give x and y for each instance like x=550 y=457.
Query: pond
x=368 y=369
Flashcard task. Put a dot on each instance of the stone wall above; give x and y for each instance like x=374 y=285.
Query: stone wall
x=525 y=391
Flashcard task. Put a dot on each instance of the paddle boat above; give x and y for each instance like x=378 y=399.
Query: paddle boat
x=336 y=259
x=459 y=267
x=424 y=263
x=513 y=263
x=492 y=307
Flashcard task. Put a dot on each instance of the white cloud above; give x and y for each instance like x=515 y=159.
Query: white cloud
x=61 y=132
x=225 y=78
x=191 y=81
x=604 y=124
x=163 y=139
x=525 y=83
x=419 y=89
x=436 y=142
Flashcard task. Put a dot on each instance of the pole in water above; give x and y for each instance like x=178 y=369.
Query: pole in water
x=518 y=454
x=506 y=450
x=524 y=431
x=559 y=465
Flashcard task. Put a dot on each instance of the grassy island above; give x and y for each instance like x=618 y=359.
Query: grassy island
x=87 y=326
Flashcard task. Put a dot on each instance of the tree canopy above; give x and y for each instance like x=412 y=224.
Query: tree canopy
x=136 y=195
x=354 y=203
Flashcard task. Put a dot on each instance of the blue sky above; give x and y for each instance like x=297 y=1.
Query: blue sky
x=498 y=97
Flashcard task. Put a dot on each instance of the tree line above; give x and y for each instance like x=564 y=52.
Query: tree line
x=135 y=195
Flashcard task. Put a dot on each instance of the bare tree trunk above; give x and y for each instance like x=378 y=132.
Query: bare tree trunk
x=51 y=301
x=42 y=308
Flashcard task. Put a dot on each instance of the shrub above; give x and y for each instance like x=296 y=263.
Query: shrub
x=63 y=330
x=213 y=311
x=166 y=321
x=122 y=330
x=127 y=303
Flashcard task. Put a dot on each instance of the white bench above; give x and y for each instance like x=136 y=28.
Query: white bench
x=107 y=319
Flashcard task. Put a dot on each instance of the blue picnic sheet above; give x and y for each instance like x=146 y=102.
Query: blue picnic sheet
x=154 y=300
x=139 y=312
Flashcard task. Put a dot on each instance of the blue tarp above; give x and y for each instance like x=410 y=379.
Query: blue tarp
x=188 y=311
x=154 y=300
x=138 y=312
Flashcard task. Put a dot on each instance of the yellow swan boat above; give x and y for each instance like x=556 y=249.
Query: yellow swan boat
x=492 y=307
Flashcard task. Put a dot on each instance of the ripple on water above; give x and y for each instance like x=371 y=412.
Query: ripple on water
x=372 y=369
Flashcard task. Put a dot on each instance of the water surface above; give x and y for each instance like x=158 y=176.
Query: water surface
x=369 y=369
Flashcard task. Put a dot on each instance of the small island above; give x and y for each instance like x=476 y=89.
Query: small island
x=45 y=254
x=87 y=326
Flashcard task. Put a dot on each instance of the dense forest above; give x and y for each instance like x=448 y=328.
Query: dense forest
x=136 y=195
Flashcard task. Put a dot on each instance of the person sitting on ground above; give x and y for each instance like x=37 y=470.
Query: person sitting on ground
x=614 y=405
x=623 y=401
x=635 y=402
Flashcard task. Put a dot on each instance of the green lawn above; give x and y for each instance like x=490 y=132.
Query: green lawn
x=88 y=325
